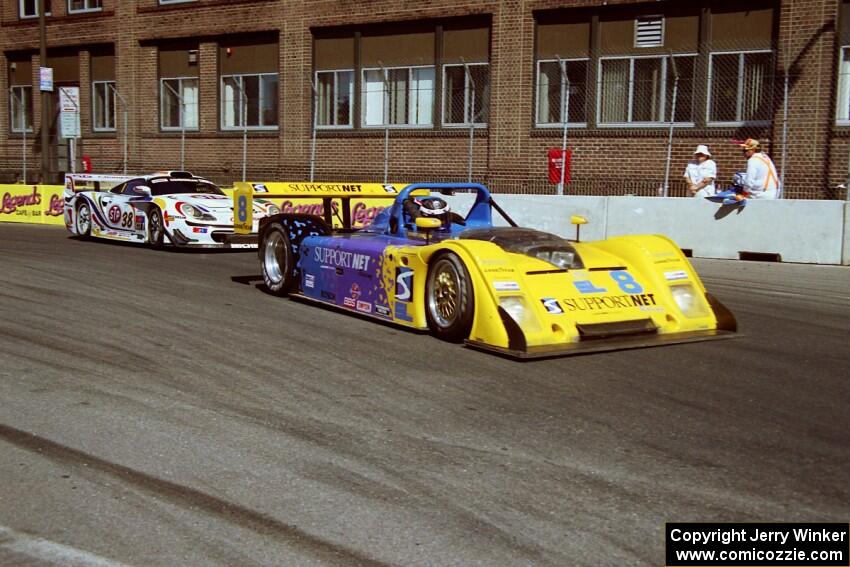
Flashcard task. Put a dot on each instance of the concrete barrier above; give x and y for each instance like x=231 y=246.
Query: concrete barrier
x=845 y=254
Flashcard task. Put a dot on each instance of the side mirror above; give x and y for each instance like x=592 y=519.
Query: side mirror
x=142 y=191
x=426 y=225
x=578 y=220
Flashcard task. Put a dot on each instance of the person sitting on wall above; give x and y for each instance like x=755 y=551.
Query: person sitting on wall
x=761 y=180
x=701 y=173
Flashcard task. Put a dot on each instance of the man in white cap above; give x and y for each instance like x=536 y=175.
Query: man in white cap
x=701 y=173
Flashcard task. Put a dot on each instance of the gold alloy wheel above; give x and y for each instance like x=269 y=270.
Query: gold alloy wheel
x=443 y=302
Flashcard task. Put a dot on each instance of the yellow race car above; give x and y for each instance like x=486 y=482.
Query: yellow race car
x=515 y=291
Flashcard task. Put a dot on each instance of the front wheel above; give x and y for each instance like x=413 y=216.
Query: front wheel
x=156 y=229
x=276 y=260
x=449 y=298
x=83 y=220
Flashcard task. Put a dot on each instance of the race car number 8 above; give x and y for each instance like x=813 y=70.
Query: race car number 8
x=626 y=282
x=242 y=208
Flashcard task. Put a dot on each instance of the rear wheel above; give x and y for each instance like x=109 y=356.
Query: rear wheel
x=156 y=229
x=276 y=260
x=449 y=298
x=83 y=220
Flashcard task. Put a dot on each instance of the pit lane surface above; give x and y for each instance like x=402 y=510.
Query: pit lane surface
x=156 y=411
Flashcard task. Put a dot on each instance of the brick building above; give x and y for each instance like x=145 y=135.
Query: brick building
x=429 y=75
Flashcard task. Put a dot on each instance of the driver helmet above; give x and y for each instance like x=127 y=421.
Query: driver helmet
x=434 y=207
x=739 y=179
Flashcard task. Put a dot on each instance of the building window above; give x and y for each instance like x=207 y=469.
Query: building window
x=20 y=108
x=29 y=8
x=103 y=106
x=255 y=96
x=77 y=6
x=552 y=91
x=179 y=103
x=740 y=86
x=334 y=93
x=466 y=95
x=638 y=90
x=400 y=96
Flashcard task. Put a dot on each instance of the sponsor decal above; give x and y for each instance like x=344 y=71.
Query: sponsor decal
x=364 y=306
x=309 y=280
x=383 y=310
x=341 y=258
x=259 y=188
x=328 y=295
x=498 y=270
x=324 y=187
x=140 y=222
x=403 y=284
x=390 y=189
x=355 y=290
x=506 y=286
x=317 y=209
x=349 y=302
x=609 y=302
x=586 y=286
x=199 y=229
x=552 y=306
x=676 y=275
x=114 y=214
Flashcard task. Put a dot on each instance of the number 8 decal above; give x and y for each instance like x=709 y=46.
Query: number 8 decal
x=626 y=282
x=242 y=208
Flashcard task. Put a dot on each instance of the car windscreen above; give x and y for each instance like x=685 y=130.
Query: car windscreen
x=169 y=186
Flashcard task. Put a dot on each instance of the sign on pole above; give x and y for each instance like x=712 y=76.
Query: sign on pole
x=45 y=75
x=69 y=112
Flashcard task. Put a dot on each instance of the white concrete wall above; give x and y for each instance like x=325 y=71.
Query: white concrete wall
x=798 y=230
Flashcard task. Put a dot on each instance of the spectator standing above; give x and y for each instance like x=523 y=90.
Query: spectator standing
x=701 y=173
x=762 y=181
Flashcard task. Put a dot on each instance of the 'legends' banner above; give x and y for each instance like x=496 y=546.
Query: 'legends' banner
x=40 y=204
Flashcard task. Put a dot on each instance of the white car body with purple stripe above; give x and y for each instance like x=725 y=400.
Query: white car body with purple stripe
x=171 y=207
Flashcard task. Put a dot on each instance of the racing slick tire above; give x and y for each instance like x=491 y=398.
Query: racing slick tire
x=83 y=220
x=276 y=260
x=449 y=298
x=156 y=229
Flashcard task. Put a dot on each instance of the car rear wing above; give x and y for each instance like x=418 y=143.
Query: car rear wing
x=89 y=181
x=244 y=194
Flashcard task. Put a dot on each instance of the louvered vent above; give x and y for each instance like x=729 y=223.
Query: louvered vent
x=649 y=31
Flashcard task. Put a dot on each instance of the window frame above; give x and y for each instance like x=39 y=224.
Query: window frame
x=350 y=124
x=110 y=106
x=180 y=128
x=385 y=124
x=554 y=125
x=13 y=127
x=466 y=92
x=664 y=75
x=85 y=10
x=22 y=16
x=260 y=99
x=739 y=98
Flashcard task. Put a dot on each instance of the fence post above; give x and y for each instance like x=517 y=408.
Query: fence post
x=315 y=125
x=565 y=112
x=471 y=121
x=124 y=106
x=386 y=120
x=666 y=192
x=784 y=135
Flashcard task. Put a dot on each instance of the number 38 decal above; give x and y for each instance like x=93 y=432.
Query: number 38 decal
x=127 y=219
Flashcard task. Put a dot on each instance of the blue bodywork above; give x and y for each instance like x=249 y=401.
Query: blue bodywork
x=346 y=269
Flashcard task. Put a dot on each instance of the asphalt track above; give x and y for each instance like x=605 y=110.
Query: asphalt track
x=156 y=408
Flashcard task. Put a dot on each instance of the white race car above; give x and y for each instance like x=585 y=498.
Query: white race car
x=166 y=207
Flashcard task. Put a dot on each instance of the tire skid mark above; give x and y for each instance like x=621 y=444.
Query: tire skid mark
x=190 y=498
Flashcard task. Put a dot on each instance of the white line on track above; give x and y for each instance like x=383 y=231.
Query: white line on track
x=50 y=551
